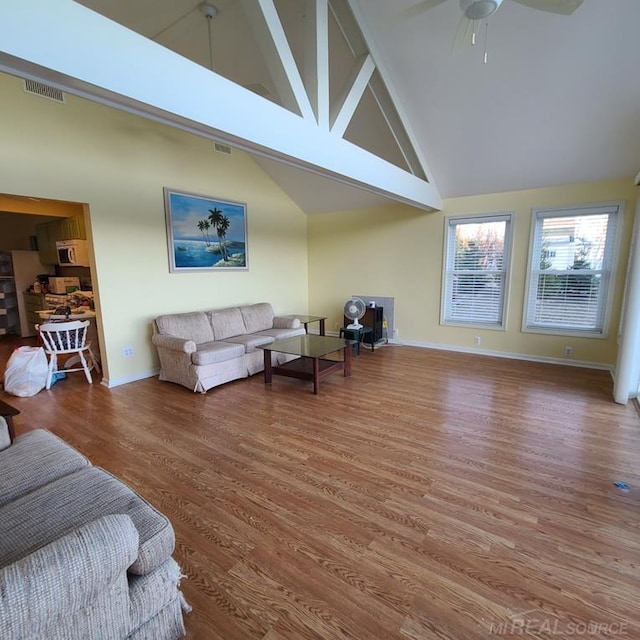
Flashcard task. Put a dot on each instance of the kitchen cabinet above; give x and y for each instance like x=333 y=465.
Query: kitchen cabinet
x=71 y=228
x=48 y=233
x=33 y=302
x=46 y=244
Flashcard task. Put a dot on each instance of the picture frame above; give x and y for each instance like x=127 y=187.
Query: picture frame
x=205 y=233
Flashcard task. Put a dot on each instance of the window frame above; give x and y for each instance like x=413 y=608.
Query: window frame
x=609 y=269
x=450 y=223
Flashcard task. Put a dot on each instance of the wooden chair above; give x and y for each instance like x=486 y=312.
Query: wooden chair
x=62 y=338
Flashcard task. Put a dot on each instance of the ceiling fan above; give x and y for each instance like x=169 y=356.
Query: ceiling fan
x=482 y=9
x=475 y=11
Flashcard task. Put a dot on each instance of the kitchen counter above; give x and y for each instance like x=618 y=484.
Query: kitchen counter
x=85 y=315
x=92 y=335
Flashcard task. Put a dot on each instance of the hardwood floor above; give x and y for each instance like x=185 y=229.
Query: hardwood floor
x=432 y=495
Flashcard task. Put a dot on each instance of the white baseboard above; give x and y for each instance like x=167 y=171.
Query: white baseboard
x=110 y=384
x=568 y=362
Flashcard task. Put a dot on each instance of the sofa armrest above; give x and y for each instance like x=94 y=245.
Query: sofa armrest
x=66 y=575
x=285 y=323
x=173 y=343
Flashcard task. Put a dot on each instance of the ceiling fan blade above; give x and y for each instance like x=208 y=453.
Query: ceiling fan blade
x=564 y=7
x=464 y=33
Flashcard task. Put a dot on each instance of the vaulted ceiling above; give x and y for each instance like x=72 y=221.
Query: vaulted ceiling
x=558 y=100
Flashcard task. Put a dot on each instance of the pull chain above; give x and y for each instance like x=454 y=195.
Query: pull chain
x=486 y=38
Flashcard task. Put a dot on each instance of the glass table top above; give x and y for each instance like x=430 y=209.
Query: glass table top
x=308 y=345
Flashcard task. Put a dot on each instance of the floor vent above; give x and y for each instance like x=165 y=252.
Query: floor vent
x=44 y=91
x=222 y=148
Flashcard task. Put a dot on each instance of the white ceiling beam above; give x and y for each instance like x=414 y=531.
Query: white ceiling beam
x=62 y=43
x=349 y=104
x=409 y=138
x=316 y=67
x=273 y=43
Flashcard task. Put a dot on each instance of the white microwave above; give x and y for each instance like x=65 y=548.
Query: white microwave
x=72 y=253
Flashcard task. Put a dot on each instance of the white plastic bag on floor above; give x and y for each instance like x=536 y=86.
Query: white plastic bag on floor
x=26 y=372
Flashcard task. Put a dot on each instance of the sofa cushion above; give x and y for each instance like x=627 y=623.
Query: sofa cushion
x=251 y=341
x=211 y=352
x=33 y=460
x=188 y=326
x=30 y=522
x=257 y=317
x=281 y=334
x=226 y=323
x=280 y=322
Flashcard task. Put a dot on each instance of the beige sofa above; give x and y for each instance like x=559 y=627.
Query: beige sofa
x=203 y=349
x=82 y=556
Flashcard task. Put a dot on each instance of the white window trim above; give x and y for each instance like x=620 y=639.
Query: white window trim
x=568 y=211
x=509 y=235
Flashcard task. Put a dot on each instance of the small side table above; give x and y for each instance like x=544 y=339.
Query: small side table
x=7 y=412
x=357 y=335
x=307 y=320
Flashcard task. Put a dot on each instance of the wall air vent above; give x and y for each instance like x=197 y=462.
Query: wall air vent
x=44 y=91
x=222 y=148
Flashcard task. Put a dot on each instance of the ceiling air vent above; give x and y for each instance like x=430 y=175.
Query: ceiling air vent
x=44 y=91
x=222 y=148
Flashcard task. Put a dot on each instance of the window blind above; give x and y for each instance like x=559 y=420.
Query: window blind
x=570 y=269
x=475 y=270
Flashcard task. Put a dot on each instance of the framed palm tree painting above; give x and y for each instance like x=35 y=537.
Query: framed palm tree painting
x=205 y=233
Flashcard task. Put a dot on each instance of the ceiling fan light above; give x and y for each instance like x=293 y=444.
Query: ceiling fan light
x=479 y=9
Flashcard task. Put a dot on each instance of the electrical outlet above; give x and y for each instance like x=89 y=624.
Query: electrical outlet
x=127 y=352
x=396 y=333
x=568 y=351
x=337 y=326
x=477 y=340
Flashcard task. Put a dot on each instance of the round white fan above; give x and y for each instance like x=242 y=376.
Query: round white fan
x=354 y=309
x=475 y=11
x=481 y=9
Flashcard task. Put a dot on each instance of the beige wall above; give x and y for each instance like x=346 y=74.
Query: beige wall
x=118 y=164
x=397 y=252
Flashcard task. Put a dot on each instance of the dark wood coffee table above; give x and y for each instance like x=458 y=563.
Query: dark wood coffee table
x=7 y=412
x=311 y=363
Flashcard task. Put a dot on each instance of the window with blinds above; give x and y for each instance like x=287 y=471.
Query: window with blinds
x=571 y=262
x=476 y=262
